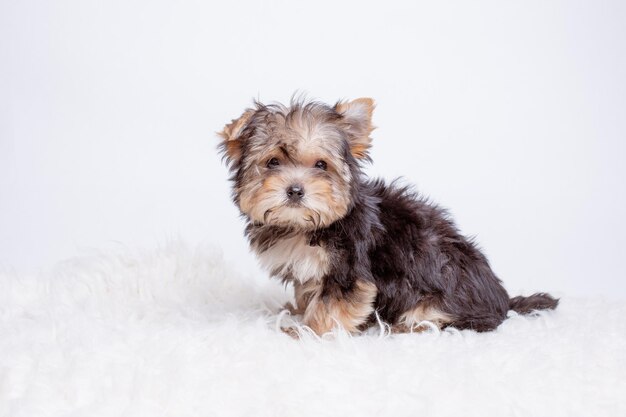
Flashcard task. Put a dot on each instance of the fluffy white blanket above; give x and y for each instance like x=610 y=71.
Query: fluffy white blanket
x=177 y=332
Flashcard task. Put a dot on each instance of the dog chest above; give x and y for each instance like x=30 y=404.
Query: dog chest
x=294 y=257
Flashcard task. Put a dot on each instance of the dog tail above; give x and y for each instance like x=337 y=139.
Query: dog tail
x=538 y=301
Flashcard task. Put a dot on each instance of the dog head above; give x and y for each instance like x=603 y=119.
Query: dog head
x=295 y=165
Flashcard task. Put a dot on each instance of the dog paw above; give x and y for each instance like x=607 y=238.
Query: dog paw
x=292 y=310
x=291 y=332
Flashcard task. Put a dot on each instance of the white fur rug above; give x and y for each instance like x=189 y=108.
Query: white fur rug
x=176 y=332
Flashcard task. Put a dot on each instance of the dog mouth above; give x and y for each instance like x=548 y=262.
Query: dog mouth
x=295 y=214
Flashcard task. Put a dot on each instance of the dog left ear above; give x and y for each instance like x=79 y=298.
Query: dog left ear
x=231 y=146
x=357 y=119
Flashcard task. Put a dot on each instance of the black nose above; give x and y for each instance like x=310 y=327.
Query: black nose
x=295 y=193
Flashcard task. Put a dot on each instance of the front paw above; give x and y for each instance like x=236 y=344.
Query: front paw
x=291 y=332
x=293 y=310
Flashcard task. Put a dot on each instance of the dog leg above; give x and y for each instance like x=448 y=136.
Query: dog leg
x=303 y=294
x=411 y=320
x=349 y=310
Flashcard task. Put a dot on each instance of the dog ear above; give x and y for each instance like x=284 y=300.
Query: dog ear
x=231 y=145
x=357 y=119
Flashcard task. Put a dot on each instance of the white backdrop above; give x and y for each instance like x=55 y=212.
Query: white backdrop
x=513 y=115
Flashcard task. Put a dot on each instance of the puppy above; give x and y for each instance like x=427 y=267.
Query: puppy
x=354 y=247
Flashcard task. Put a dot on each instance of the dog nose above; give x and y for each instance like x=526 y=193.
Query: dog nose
x=295 y=193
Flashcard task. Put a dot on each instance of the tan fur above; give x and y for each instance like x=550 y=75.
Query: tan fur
x=297 y=139
x=295 y=257
x=231 y=132
x=325 y=200
x=410 y=320
x=254 y=196
x=303 y=293
x=358 y=118
x=349 y=311
x=264 y=200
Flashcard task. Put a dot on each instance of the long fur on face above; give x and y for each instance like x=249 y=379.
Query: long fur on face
x=297 y=139
x=357 y=246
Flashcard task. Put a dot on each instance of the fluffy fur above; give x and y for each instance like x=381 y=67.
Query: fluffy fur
x=175 y=331
x=358 y=248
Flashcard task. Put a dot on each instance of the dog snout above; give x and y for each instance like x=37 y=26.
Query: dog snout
x=295 y=193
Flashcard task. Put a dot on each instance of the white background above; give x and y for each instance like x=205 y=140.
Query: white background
x=511 y=114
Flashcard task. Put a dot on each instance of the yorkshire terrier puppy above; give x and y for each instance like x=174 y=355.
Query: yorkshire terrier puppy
x=353 y=247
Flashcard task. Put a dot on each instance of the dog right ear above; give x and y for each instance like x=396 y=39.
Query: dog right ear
x=231 y=144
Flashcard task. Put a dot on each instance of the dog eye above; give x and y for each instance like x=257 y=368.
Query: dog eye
x=273 y=163
x=321 y=165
